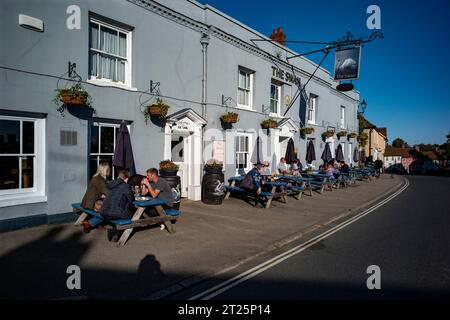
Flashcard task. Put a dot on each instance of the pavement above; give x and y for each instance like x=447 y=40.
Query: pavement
x=210 y=241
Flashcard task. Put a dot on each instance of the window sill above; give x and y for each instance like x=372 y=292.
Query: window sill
x=102 y=83
x=15 y=200
x=244 y=107
x=275 y=115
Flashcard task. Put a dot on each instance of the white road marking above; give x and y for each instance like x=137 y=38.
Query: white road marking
x=230 y=283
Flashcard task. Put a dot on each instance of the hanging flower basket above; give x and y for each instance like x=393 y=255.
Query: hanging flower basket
x=230 y=117
x=307 y=130
x=269 y=124
x=159 y=109
x=73 y=96
x=328 y=133
x=68 y=96
x=352 y=135
x=341 y=133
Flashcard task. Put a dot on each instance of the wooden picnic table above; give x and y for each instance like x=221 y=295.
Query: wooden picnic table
x=298 y=179
x=141 y=205
x=269 y=184
x=165 y=216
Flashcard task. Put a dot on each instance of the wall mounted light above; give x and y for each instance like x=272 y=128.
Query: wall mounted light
x=363 y=106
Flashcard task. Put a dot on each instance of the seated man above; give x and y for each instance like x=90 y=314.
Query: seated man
x=345 y=169
x=117 y=205
x=282 y=167
x=157 y=187
x=252 y=182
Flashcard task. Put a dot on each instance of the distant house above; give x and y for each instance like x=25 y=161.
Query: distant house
x=427 y=161
x=377 y=138
x=393 y=156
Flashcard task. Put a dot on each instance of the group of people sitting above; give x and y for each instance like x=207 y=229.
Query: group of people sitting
x=334 y=168
x=254 y=179
x=294 y=168
x=113 y=200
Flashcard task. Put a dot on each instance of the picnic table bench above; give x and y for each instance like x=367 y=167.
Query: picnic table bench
x=165 y=216
x=269 y=195
x=312 y=182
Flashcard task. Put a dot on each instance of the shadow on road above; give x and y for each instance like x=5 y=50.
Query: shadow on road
x=37 y=270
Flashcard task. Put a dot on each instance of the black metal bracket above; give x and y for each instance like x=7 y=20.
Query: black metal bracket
x=72 y=72
x=225 y=100
x=264 y=109
x=71 y=69
x=154 y=87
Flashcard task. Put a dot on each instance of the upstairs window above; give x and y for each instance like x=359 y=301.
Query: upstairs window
x=109 y=52
x=342 y=117
x=245 y=88
x=275 y=94
x=312 y=107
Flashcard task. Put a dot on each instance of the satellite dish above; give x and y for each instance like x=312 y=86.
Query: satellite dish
x=344 y=87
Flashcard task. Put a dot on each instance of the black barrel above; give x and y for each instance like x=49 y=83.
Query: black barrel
x=174 y=182
x=213 y=187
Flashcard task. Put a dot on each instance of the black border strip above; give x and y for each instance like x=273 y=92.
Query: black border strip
x=111 y=21
x=112 y=121
x=18 y=113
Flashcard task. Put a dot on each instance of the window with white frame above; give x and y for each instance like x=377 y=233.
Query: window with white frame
x=103 y=143
x=22 y=162
x=275 y=94
x=342 y=117
x=245 y=88
x=109 y=52
x=242 y=147
x=312 y=107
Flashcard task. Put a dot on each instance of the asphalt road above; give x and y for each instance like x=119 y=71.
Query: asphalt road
x=408 y=238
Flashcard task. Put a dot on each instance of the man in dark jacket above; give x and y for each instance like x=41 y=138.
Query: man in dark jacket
x=117 y=205
x=252 y=182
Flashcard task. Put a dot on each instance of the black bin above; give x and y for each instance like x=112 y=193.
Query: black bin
x=213 y=187
x=174 y=182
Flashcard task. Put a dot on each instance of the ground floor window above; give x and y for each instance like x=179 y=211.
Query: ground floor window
x=22 y=141
x=103 y=143
x=17 y=154
x=242 y=148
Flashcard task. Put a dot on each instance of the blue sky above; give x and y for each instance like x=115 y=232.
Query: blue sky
x=404 y=77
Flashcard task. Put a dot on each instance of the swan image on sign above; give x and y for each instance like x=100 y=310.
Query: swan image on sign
x=346 y=63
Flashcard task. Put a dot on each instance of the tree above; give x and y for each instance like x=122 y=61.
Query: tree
x=446 y=147
x=400 y=143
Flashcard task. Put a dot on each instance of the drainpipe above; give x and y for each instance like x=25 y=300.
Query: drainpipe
x=204 y=40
